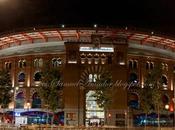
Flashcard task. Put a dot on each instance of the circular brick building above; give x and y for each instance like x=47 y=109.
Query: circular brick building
x=83 y=54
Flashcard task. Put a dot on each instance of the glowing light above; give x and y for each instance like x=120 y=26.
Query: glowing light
x=82 y=61
x=72 y=62
x=95 y=25
x=103 y=62
x=96 y=62
x=100 y=49
x=167 y=106
x=11 y=106
x=17 y=114
x=171 y=85
x=16 y=88
x=28 y=82
x=135 y=81
x=171 y=108
x=109 y=115
x=121 y=63
x=89 y=61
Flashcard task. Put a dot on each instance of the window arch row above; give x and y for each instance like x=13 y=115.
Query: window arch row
x=56 y=62
x=93 y=58
x=133 y=64
x=8 y=65
x=149 y=65
x=38 y=63
x=22 y=63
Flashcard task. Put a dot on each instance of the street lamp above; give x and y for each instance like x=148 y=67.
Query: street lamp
x=28 y=105
x=167 y=106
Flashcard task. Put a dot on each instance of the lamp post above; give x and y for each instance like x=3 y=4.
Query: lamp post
x=14 y=101
x=167 y=108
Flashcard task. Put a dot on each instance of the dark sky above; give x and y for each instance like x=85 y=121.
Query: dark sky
x=157 y=15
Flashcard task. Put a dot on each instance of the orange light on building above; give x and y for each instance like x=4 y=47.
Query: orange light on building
x=109 y=115
x=171 y=109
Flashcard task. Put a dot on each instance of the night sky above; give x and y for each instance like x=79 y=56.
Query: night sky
x=154 y=15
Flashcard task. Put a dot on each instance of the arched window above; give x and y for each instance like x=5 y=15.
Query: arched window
x=89 y=57
x=21 y=77
x=37 y=76
x=135 y=64
x=36 y=63
x=22 y=63
x=163 y=66
x=165 y=99
x=90 y=78
x=8 y=65
x=151 y=65
x=40 y=64
x=83 y=58
x=130 y=64
x=36 y=101
x=56 y=62
x=147 y=65
x=20 y=100
x=166 y=67
x=133 y=78
x=133 y=101
x=103 y=58
x=59 y=61
x=96 y=58
x=164 y=82
x=93 y=78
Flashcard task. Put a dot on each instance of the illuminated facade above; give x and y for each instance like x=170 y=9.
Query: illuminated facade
x=84 y=54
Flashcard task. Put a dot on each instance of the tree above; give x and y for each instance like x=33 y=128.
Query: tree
x=50 y=89
x=150 y=95
x=5 y=87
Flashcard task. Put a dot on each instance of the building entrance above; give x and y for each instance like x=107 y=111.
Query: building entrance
x=94 y=114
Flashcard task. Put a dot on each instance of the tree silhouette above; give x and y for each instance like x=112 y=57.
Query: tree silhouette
x=50 y=90
x=150 y=94
x=5 y=88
